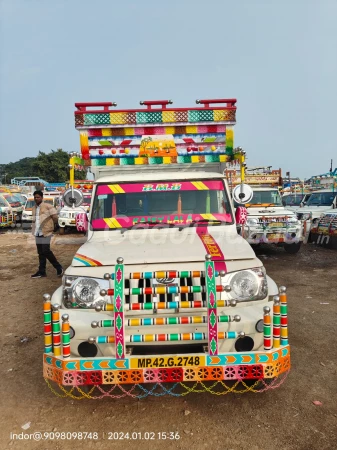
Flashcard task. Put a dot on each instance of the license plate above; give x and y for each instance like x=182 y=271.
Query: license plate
x=73 y=221
x=276 y=224
x=167 y=361
x=275 y=236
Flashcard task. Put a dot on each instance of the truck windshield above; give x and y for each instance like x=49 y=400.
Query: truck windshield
x=3 y=202
x=293 y=199
x=86 y=200
x=180 y=203
x=13 y=201
x=265 y=198
x=321 y=199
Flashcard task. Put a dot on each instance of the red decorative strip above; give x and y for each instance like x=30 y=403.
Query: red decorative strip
x=212 y=247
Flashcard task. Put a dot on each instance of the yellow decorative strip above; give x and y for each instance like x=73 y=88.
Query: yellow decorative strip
x=116 y=189
x=208 y=217
x=200 y=185
x=112 y=223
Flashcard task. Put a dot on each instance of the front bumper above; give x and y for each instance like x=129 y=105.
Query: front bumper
x=257 y=235
x=65 y=222
x=223 y=350
x=225 y=366
x=6 y=220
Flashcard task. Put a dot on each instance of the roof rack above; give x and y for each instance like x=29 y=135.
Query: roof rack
x=156 y=134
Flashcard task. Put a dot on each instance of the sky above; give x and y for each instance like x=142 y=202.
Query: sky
x=277 y=58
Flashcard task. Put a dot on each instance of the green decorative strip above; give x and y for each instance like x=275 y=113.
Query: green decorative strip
x=184 y=159
x=267 y=330
x=149 y=117
x=156 y=160
x=126 y=162
x=277 y=320
x=200 y=116
x=65 y=339
x=174 y=337
x=284 y=310
x=212 y=158
x=173 y=321
x=96 y=119
x=56 y=327
x=223 y=319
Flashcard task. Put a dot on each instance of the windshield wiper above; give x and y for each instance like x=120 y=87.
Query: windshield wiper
x=142 y=227
x=216 y=221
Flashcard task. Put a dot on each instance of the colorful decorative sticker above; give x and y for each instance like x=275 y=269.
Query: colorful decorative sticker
x=212 y=248
x=86 y=261
x=198 y=185
x=212 y=319
x=142 y=221
x=119 y=311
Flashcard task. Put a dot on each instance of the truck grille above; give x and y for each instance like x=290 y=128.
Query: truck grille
x=146 y=283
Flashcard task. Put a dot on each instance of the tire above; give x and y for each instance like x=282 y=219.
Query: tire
x=292 y=248
x=62 y=230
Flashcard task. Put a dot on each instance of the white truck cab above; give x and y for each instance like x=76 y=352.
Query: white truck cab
x=295 y=201
x=269 y=221
x=164 y=289
x=318 y=203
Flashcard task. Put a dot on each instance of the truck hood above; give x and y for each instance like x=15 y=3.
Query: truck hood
x=163 y=246
x=315 y=211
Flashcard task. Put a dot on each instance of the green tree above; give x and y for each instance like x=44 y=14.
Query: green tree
x=51 y=167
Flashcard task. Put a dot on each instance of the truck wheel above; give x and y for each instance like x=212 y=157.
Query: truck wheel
x=292 y=248
x=62 y=230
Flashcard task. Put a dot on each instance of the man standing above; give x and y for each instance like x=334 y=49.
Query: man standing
x=44 y=217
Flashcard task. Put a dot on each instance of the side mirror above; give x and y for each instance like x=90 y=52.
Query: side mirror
x=284 y=203
x=242 y=194
x=241 y=215
x=82 y=222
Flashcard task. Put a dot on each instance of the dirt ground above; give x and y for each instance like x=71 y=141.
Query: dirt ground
x=284 y=418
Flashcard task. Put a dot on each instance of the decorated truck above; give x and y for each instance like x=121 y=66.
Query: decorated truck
x=324 y=231
x=7 y=216
x=295 y=198
x=82 y=191
x=164 y=297
x=268 y=222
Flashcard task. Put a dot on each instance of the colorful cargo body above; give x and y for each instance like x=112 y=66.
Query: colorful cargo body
x=324 y=231
x=164 y=297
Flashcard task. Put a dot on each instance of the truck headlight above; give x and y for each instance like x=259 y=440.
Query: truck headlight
x=252 y=222
x=63 y=215
x=84 y=293
x=304 y=216
x=247 y=285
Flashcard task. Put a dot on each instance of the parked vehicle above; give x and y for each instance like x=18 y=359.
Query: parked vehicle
x=16 y=205
x=319 y=202
x=6 y=213
x=324 y=231
x=269 y=221
x=141 y=303
x=27 y=211
x=295 y=201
